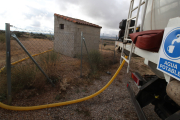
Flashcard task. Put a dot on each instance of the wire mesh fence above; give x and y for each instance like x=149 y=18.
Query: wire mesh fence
x=67 y=59
x=109 y=50
x=24 y=73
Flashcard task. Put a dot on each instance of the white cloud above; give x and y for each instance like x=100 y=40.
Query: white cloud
x=39 y=14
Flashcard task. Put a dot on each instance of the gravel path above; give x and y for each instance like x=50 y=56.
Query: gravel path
x=112 y=104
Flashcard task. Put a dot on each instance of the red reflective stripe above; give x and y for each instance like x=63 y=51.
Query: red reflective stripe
x=135 y=78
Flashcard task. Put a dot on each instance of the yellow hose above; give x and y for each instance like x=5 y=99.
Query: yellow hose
x=63 y=103
x=28 y=57
x=25 y=59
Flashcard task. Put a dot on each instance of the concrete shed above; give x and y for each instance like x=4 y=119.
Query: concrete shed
x=67 y=35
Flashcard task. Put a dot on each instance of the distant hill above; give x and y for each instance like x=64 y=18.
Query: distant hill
x=108 y=37
x=2 y=31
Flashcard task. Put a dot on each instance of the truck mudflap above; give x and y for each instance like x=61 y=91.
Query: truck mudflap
x=138 y=108
x=153 y=90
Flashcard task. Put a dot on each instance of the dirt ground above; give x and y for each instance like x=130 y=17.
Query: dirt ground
x=112 y=104
x=107 y=45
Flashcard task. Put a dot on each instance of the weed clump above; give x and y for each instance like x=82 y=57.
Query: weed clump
x=27 y=76
x=83 y=110
x=95 y=60
x=2 y=38
x=22 y=77
x=49 y=57
x=49 y=62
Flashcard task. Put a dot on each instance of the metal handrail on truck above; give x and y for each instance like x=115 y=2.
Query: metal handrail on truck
x=130 y=18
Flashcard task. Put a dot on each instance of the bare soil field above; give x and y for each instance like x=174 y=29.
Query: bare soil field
x=33 y=46
x=112 y=104
x=107 y=45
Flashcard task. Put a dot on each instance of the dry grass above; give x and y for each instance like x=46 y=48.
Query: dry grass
x=34 y=46
x=84 y=111
x=2 y=38
x=21 y=78
x=3 y=85
x=49 y=62
x=2 y=46
x=27 y=76
x=98 y=63
x=95 y=60
x=107 y=45
x=62 y=70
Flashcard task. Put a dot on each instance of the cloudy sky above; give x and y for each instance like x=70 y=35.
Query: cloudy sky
x=39 y=14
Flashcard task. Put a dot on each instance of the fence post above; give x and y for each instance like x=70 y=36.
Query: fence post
x=87 y=52
x=81 y=52
x=8 y=62
x=18 y=41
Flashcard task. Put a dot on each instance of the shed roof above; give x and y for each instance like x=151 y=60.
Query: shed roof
x=78 y=21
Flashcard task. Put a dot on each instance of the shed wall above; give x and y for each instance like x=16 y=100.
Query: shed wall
x=67 y=41
x=64 y=38
x=91 y=35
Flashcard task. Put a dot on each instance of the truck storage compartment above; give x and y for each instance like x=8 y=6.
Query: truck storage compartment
x=153 y=90
x=121 y=35
x=148 y=40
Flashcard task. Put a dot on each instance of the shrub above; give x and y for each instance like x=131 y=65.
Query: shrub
x=50 y=37
x=27 y=75
x=3 y=84
x=19 y=34
x=49 y=62
x=2 y=97
x=2 y=38
x=58 y=97
x=39 y=36
x=22 y=77
x=49 y=57
x=95 y=60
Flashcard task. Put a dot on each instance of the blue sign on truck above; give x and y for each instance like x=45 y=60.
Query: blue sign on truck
x=169 y=54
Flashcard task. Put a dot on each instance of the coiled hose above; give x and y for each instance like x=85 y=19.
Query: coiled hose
x=16 y=108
